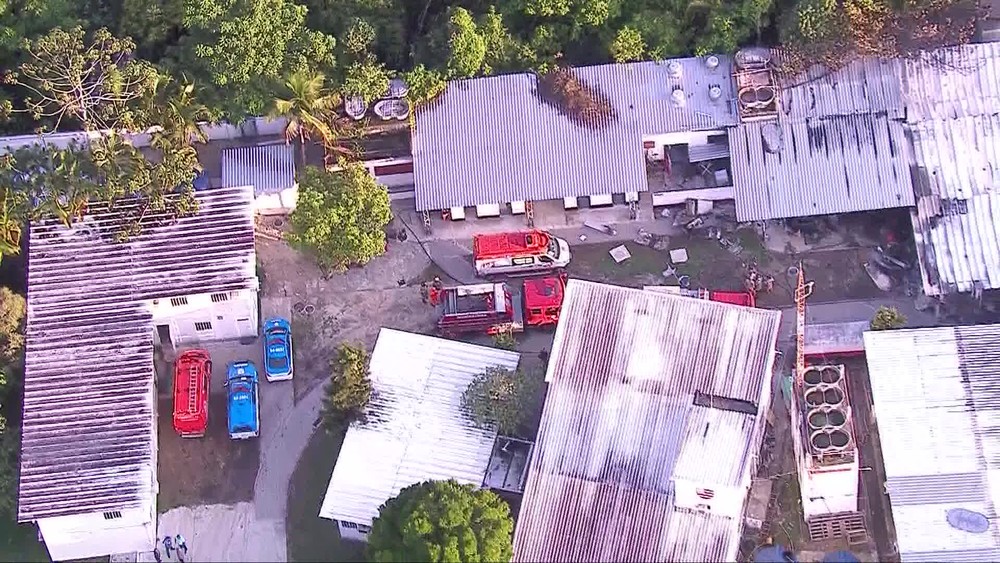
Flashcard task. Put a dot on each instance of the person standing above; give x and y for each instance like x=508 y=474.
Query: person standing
x=156 y=552
x=180 y=544
x=423 y=292
x=168 y=544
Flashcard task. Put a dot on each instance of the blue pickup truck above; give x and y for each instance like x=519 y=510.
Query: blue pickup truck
x=242 y=400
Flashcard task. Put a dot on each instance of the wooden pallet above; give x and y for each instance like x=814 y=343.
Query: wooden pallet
x=850 y=526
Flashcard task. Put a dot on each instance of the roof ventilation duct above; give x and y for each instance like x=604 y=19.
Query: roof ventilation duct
x=712 y=62
x=678 y=97
x=714 y=92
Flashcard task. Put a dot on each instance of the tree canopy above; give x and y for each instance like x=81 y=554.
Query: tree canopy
x=340 y=216
x=349 y=389
x=438 y=521
x=503 y=398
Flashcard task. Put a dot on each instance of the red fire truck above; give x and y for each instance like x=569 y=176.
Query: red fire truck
x=192 y=372
x=495 y=307
x=743 y=298
x=523 y=252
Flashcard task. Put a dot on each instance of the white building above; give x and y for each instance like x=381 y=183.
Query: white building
x=95 y=310
x=653 y=421
x=934 y=396
x=415 y=429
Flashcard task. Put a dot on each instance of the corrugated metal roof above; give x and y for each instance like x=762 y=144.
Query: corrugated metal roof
x=873 y=102
x=834 y=164
x=936 y=396
x=493 y=140
x=89 y=420
x=619 y=425
x=956 y=222
x=270 y=169
x=415 y=429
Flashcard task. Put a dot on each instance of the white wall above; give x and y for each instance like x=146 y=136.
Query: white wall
x=280 y=203
x=725 y=501
x=353 y=530
x=693 y=138
x=232 y=317
x=830 y=490
x=94 y=535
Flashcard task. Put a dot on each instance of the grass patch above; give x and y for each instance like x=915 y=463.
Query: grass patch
x=19 y=542
x=787 y=527
x=592 y=261
x=753 y=246
x=311 y=538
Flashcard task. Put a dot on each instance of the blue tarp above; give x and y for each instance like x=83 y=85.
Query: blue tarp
x=201 y=182
x=840 y=557
x=773 y=554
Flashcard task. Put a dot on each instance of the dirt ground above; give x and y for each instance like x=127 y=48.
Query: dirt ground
x=349 y=307
x=838 y=274
x=208 y=470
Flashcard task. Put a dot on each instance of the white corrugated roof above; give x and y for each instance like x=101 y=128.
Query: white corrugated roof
x=89 y=426
x=620 y=424
x=493 y=139
x=270 y=169
x=414 y=429
x=936 y=397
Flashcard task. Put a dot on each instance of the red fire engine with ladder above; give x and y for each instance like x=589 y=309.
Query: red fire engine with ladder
x=192 y=371
x=507 y=306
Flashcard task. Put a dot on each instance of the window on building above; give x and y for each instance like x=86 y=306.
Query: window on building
x=114 y=514
x=178 y=301
x=220 y=297
x=350 y=525
x=203 y=326
x=364 y=529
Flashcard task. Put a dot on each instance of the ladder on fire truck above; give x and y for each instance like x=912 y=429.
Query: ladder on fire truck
x=802 y=291
x=193 y=389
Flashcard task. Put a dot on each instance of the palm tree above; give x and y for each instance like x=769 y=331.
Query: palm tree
x=174 y=107
x=308 y=107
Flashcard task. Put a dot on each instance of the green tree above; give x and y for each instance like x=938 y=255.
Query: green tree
x=360 y=36
x=628 y=45
x=349 y=389
x=308 y=106
x=340 y=216
x=887 y=318
x=12 y=316
x=96 y=82
x=424 y=85
x=502 y=398
x=244 y=47
x=368 y=79
x=442 y=521
x=467 y=46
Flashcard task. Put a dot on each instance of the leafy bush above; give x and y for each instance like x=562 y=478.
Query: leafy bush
x=887 y=318
x=501 y=397
x=349 y=390
x=442 y=521
x=340 y=216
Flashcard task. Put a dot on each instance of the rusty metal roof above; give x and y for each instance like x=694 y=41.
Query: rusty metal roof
x=88 y=442
x=493 y=140
x=621 y=423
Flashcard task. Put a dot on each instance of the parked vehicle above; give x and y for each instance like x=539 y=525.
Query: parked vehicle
x=192 y=373
x=243 y=400
x=505 y=306
x=524 y=252
x=277 y=349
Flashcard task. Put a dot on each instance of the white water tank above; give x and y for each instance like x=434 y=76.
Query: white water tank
x=712 y=62
x=678 y=97
x=714 y=92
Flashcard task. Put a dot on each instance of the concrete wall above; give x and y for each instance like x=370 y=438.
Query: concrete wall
x=99 y=533
x=354 y=531
x=227 y=316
